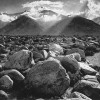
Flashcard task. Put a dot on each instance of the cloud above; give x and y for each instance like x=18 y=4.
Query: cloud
x=36 y=7
x=6 y=18
x=92 y=9
x=61 y=7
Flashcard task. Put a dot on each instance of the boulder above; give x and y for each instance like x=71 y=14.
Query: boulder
x=3 y=51
x=3 y=95
x=87 y=69
x=89 y=88
x=77 y=50
x=76 y=99
x=90 y=78
x=37 y=55
x=76 y=56
x=95 y=59
x=44 y=53
x=55 y=48
x=98 y=76
x=52 y=54
x=23 y=48
x=63 y=99
x=79 y=95
x=20 y=60
x=90 y=50
x=13 y=74
x=6 y=82
x=47 y=78
x=69 y=63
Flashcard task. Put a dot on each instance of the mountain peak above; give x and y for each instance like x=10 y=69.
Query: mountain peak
x=24 y=25
x=75 y=26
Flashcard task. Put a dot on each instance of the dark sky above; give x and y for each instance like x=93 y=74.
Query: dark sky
x=12 y=5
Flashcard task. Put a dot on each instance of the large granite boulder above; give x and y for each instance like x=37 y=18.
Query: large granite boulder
x=47 y=78
x=20 y=60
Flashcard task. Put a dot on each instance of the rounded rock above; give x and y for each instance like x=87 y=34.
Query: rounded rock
x=20 y=60
x=3 y=95
x=6 y=82
x=48 y=78
x=14 y=74
x=77 y=50
x=69 y=63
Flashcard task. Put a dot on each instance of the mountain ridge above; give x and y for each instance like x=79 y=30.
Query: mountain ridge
x=77 y=25
x=21 y=26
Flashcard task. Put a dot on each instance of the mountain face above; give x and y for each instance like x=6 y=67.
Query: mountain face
x=97 y=20
x=68 y=26
x=22 y=26
x=74 y=26
x=6 y=18
x=2 y=24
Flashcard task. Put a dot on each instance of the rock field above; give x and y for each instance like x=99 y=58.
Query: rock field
x=49 y=68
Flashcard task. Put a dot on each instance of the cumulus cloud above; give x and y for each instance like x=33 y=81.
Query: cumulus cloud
x=6 y=18
x=37 y=6
x=93 y=8
x=58 y=7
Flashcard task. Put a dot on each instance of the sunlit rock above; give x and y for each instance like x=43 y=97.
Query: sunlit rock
x=55 y=48
x=87 y=69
